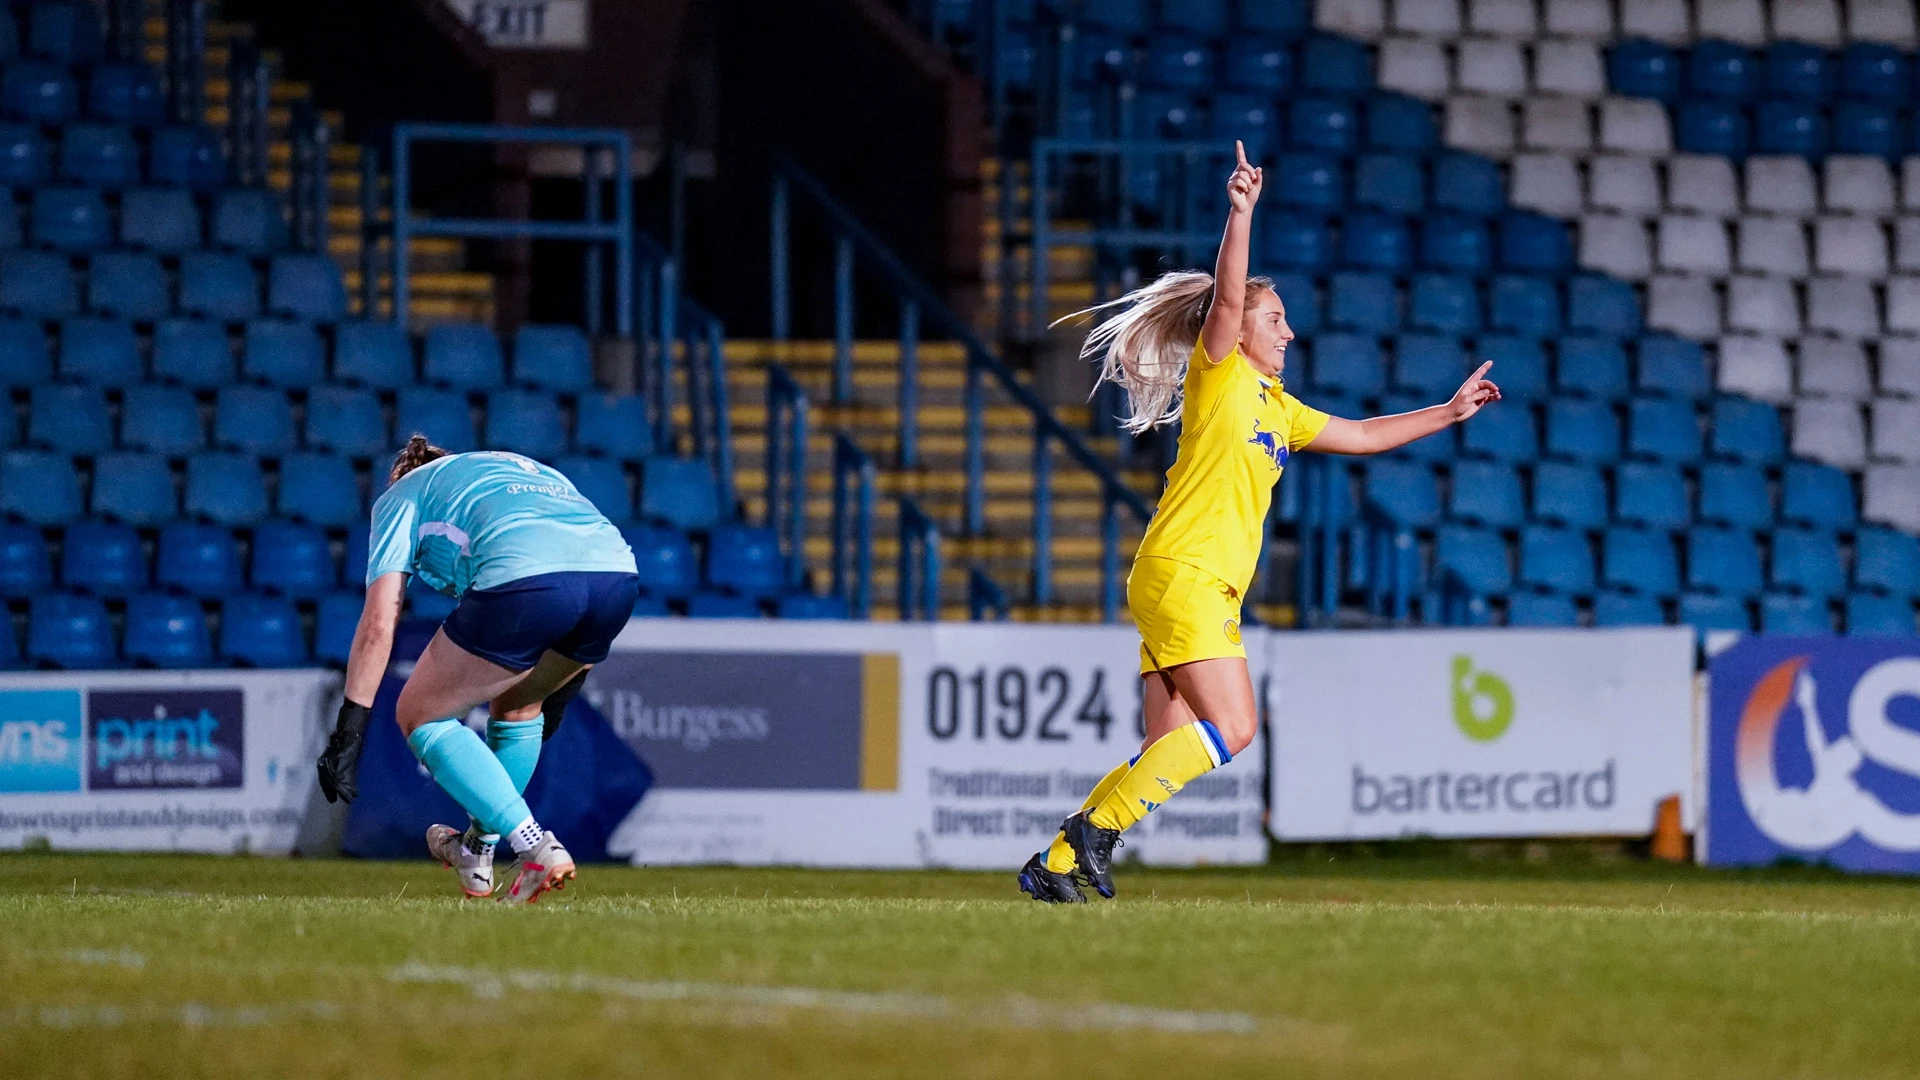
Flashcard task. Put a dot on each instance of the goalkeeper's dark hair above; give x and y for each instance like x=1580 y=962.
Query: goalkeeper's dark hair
x=416 y=453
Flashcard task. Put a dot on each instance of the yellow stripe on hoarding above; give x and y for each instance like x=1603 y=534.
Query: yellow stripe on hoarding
x=880 y=722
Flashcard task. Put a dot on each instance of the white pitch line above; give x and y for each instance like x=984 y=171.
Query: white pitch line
x=189 y=1015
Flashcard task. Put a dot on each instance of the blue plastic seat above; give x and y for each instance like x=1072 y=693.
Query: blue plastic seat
x=1468 y=183
x=100 y=156
x=526 y=422
x=65 y=30
x=1453 y=242
x=746 y=560
x=1324 y=123
x=1715 y=611
x=664 y=560
x=25 y=565
x=126 y=93
x=552 y=357
x=1349 y=364
x=189 y=157
x=1796 y=71
x=1568 y=493
x=306 y=287
x=71 y=219
x=198 y=559
x=226 y=489
x=353 y=564
x=218 y=286
x=1523 y=304
x=1519 y=366
x=1535 y=242
x=810 y=606
x=1654 y=495
x=1735 y=496
x=284 y=354
x=1789 y=127
x=26 y=358
x=1672 y=367
x=1016 y=59
x=38 y=283
x=23 y=156
x=1364 y=302
x=680 y=492
x=465 y=356
x=709 y=604
x=1542 y=610
x=1627 y=609
x=128 y=284
x=1310 y=181
x=133 y=487
x=1813 y=494
x=1644 y=69
x=604 y=484
x=103 y=558
x=443 y=416
x=1504 y=434
x=1663 y=429
x=1556 y=559
x=320 y=488
x=1888 y=561
x=1288 y=18
x=11 y=235
x=262 y=632
x=1747 y=430
x=1257 y=63
x=1639 y=560
x=167 y=631
x=1448 y=303
x=1871 y=71
x=1402 y=123
x=248 y=220
x=68 y=631
x=38 y=91
x=1335 y=65
x=70 y=419
x=1603 y=306
x=336 y=620
x=1291 y=239
x=1250 y=118
x=292 y=559
x=160 y=419
x=1807 y=561
x=1861 y=127
x=373 y=354
x=1592 y=367
x=1723 y=70
x=1429 y=364
x=1723 y=560
x=1475 y=559
x=1099 y=56
x=1176 y=61
x=1406 y=493
x=1302 y=299
x=1486 y=493
x=1394 y=183
x=613 y=424
x=161 y=220
x=191 y=353
x=1582 y=430
x=100 y=352
x=1870 y=614
x=1713 y=127
x=254 y=420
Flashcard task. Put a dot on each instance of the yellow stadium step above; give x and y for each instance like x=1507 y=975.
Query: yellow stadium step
x=764 y=351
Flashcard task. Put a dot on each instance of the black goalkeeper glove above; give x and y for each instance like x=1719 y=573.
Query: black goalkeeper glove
x=554 y=709
x=340 y=763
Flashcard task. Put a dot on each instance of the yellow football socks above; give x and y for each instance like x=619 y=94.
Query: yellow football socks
x=1059 y=856
x=1167 y=766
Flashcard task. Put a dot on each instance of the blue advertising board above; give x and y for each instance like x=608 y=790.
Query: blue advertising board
x=1813 y=753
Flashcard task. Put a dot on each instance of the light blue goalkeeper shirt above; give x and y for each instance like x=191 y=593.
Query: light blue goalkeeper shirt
x=478 y=521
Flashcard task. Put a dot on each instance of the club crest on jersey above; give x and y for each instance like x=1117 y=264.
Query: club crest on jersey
x=1270 y=443
x=1232 y=630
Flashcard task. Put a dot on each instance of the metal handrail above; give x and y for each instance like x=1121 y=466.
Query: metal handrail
x=186 y=61
x=854 y=484
x=312 y=195
x=986 y=598
x=669 y=323
x=919 y=558
x=787 y=467
x=249 y=88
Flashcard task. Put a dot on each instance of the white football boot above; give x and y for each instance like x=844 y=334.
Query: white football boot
x=470 y=860
x=546 y=866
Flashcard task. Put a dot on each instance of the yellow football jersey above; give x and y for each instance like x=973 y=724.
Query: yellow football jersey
x=1237 y=428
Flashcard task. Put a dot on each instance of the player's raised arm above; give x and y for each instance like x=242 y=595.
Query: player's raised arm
x=1222 y=328
x=1382 y=433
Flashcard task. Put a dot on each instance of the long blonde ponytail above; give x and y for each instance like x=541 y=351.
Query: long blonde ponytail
x=1144 y=349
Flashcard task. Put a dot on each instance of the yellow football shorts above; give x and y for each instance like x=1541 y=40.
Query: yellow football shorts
x=1184 y=614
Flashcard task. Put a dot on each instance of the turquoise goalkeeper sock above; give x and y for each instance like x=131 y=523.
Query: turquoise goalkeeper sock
x=463 y=767
x=517 y=744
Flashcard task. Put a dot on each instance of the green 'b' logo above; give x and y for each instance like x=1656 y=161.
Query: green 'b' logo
x=1482 y=701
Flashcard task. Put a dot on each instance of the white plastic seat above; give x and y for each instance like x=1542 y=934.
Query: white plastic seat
x=1479 y=123
x=1843 y=306
x=1428 y=18
x=1892 y=496
x=1903 y=304
x=1830 y=431
x=1850 y=245
x=1549 y=183
x=1910 y=183
x=1413 y=66
x=1756 y=367
x=1887 y=21
x=1833 y=367
x=1702 y=183
x=1503 y=18
x=1624 y=183
x=1857 y=184
x=1816 y=22
x=1762 y=305
x=1556 y=123
x=1773 y=245
x=1572 y=68
x=1779 y=184
x=1741 y=21
x=1694 y=244
x=1366 y=19
x=1683 y=305
x=1635 y=125
x=1660 y=20
x=1896 y=430
x=1591 y=19
x=1617 y=246
x=1906 y=243
x=1489 y=66
x=1899 y=367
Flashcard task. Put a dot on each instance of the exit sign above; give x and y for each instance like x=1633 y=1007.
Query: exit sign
x=526 y=24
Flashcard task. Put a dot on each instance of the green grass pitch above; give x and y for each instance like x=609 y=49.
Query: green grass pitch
x=1323 y=965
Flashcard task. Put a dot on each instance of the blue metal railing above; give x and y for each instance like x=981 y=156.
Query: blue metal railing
x=787 y=467
x=986 y=599
x=854 y=485
x=312 y=195
x=672 y=327
x=919 y=564
x=249 y=86
x=186 y=67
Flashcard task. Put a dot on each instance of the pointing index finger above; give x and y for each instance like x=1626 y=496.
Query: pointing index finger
x=1482 y=372
x=1240 y=152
